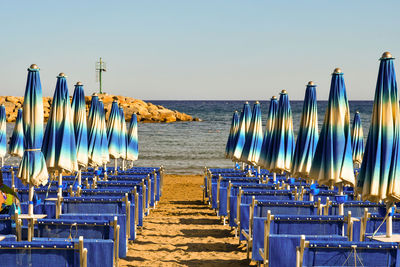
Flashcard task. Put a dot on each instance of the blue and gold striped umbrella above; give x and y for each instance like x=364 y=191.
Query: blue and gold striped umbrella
x=272 y=114
x=254 y=138
x=132 y=152
x=104 y=141
x=59 y=146
x=240 y=138
x=95 y=134
x=232 y=133
x=3 y=133
x=308 y=135
x=333 y=163
x=124 y=134
x=357 y=139
x=282 y=139
x=16 y=147
x=80 y=124
x=379 y=177
x=32 y=168
x=114 y=131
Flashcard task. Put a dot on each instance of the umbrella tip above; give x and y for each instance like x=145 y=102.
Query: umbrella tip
x=311 y=83
x=79 y=83
x=115 y=98
x=34 y=67
x=337 y=71
x=283 y=91
x=386 y=55
x=257 y=102
x=273 y=97
x=357 y=111
x=61 y=75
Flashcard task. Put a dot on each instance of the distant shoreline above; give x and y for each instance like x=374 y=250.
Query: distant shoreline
x=145 y=111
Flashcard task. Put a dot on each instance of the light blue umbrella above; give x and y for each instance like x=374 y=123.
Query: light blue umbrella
x=132 y=152
x=80 y=124
x=240 y=138
x=281 y=151
x=379 y=177
x=59 y=146
x=17 y=139
x=266 y=145
x=124 y=138
x=232 y=133
x=307 y=137
x=254 y=138
x=95 y=134
x=32 y=169
x=3 y=134
x=114 y=131
x=333 y=163
x=357 y=139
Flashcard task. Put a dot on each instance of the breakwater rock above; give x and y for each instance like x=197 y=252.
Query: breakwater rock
x=145 y=111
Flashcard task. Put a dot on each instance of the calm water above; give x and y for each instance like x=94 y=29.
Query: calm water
x=186 y=147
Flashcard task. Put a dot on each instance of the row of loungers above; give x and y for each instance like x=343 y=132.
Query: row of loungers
x=288 y=222
x=89 y=226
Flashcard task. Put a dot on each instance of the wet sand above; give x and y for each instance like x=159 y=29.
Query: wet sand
x=182 y=231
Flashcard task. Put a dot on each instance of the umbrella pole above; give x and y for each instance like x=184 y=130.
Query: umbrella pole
x=59 y=195
x=79 y=181
x=274 y=177
x=30 y=211
x=259 y=170
x=389 y=225
x=123 y=164
x=341 y=205
x=115 y=166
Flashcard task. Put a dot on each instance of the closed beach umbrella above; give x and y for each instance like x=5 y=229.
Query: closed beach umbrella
x=232 y=133
x=379 y=177
x=114 y=131
x=272 y=114
x=80 y=127
x=333 y=163
x=254 y=137
x=32 y=169
x=238 y=144
x=59 y=146
x=17 y=139
x=282 y=139
x=95 y=134
x=124 y=137
x=357 y=139
x=307 y=137
x=132 y=152
x=104 y=141
x=3 y=134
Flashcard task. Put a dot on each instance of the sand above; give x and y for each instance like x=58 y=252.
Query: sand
x=182 y=231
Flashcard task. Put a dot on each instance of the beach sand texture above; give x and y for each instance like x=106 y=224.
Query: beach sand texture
x=182 y=231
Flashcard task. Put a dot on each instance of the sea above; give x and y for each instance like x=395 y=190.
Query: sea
x=188 y=147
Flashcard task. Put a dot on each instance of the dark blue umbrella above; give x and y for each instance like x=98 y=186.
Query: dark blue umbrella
x=240 y=138
x=232 y=133
x=266 y=145
x=124 y=138
x=307 y=137
x=133 y=148
x=17 y=139
x=80 y=124
x=95 y=134
x=254 y=138
x=357 y=139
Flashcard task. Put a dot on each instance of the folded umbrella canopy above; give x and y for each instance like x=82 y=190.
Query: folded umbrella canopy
x=240 y=138
x=307 y=137
x=114 y=131
x=282 y=139
x=16 y=147
x=266 y=144
x=3 y=134
x=232 y=133
x=80 y=125
x=95 y=134
x=357 y=139
x=332 y=163
x=254 y=138
x=132 y=151
x=32 y=168
x=124 y=138
x=104 y=141
x=379 y=177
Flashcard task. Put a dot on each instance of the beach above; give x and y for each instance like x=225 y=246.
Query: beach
x=183 y=231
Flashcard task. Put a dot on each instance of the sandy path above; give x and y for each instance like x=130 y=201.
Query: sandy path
x=182 y=231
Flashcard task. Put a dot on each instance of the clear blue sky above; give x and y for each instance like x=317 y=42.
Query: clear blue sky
x=208 y=49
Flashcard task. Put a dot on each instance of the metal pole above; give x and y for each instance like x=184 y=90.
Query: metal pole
x=100 y=71
x=341 y=205
x=115 y=166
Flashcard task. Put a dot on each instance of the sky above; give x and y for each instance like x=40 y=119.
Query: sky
x=200 y=50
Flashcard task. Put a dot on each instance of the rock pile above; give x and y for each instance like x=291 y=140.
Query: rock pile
x=146 y=112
